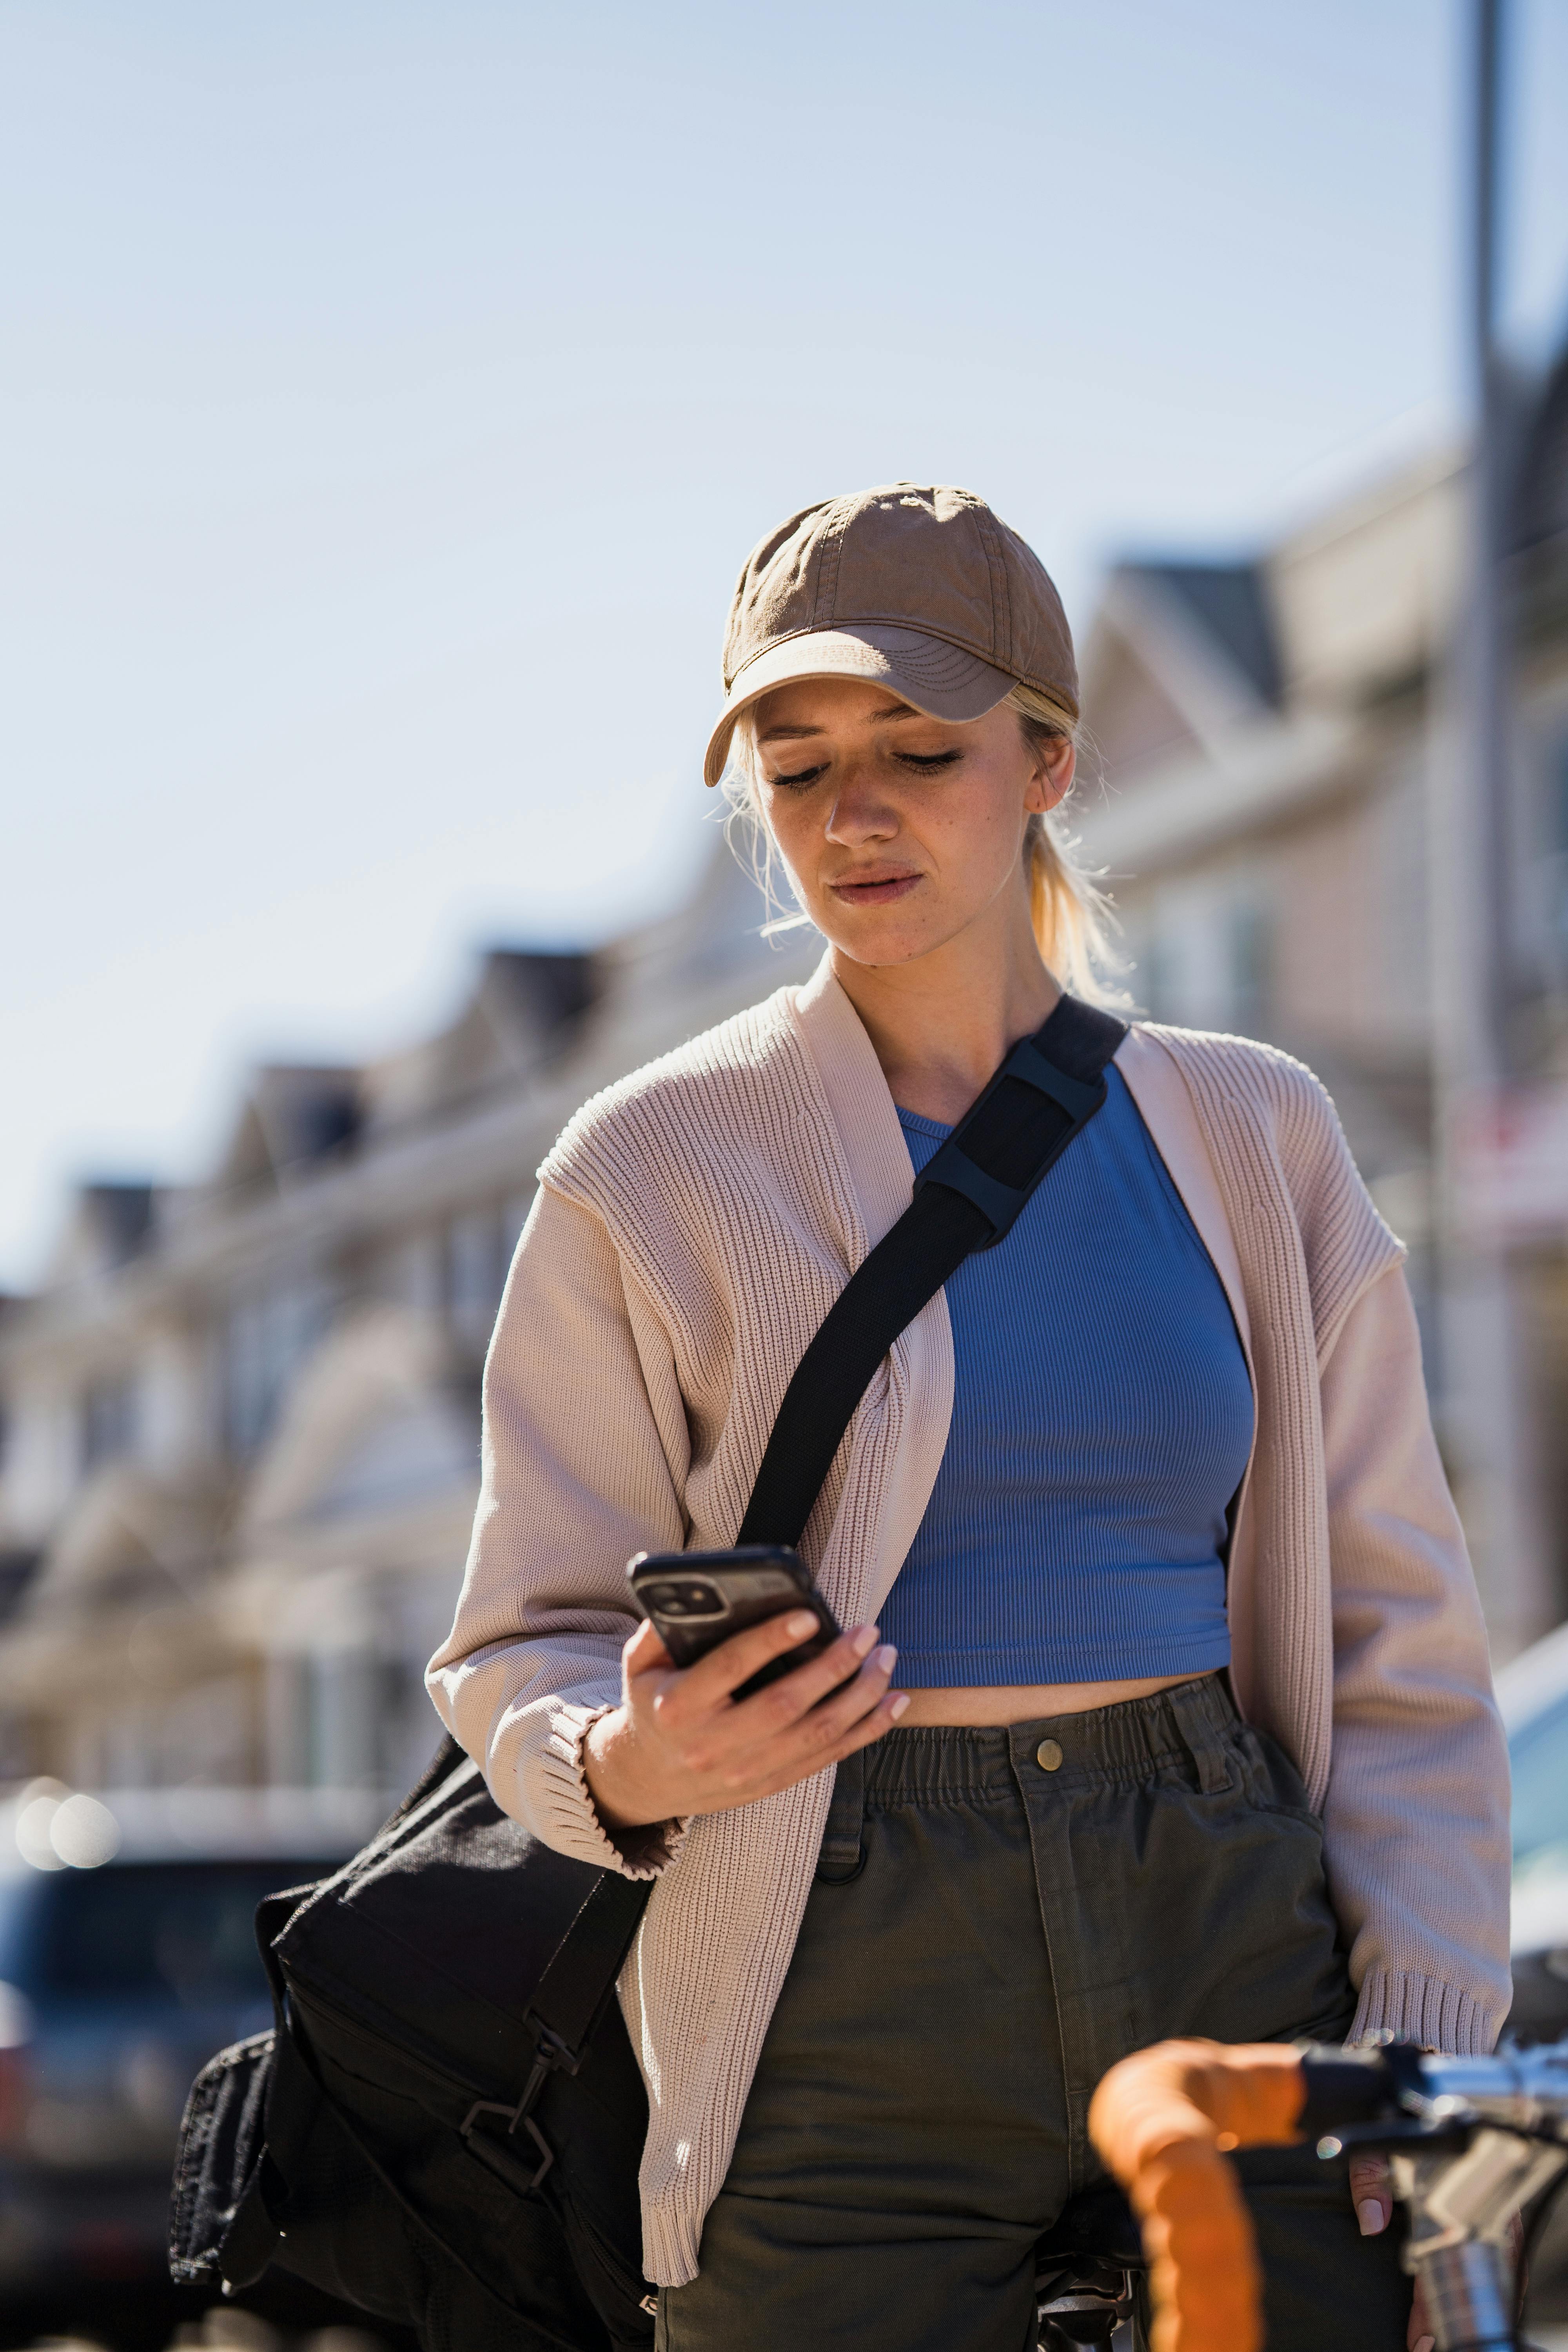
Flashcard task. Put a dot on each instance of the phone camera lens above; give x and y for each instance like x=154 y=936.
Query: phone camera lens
x=692 y=1597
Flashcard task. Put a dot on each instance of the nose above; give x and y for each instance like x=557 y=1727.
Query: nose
x=862 y=810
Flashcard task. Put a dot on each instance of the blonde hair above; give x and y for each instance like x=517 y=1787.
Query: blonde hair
x=1072 y=915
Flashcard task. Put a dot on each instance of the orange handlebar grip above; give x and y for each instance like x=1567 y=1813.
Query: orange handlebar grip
x=1163 y=2121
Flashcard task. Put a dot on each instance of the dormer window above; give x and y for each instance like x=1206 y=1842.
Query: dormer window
x=108 y=1420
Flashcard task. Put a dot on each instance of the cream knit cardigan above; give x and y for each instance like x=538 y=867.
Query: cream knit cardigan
x=694 y=1225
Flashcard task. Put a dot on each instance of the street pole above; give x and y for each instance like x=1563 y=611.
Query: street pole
x=1484 y=1392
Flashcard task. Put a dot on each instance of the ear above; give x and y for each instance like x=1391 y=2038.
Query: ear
x=1056 y=762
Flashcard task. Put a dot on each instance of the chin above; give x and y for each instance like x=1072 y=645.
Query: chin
x=866 y=941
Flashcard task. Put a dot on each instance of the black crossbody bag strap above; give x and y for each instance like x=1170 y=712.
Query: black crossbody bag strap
x=967 y=1198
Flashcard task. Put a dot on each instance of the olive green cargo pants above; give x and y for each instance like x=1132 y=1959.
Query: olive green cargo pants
x=998 y=1917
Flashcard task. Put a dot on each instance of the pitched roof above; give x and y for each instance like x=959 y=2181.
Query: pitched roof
x=122 y=1216
x=1230 y=604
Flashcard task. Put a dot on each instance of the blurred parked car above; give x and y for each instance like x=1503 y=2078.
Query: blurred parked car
x=1533 y=1696
x=126 y=1957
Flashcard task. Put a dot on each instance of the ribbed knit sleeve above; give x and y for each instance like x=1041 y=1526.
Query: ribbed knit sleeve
x=1356 y=1628
x=1417 y=1817
x=584 y=1449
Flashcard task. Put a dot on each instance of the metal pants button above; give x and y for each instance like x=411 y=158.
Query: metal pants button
x=1049 y=1756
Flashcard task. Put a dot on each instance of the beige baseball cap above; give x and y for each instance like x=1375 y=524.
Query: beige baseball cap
x=916 y=587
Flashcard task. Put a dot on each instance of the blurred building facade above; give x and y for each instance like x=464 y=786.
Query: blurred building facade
x=1272 y=735
x=239 y=1422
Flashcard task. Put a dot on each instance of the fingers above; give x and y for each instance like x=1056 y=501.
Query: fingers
x=761 y=1755
x=830 y=1729
x=1372 y=2193
x=865 y=1733
x=796 y=1694
x=1418 y=2336
x=871 y=1726
x=734 y=1662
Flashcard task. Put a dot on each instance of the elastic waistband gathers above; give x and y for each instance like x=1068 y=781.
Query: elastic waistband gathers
x=933 y=1764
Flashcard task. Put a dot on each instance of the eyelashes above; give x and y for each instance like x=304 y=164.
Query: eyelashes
x=923 y=763
x=799 y=780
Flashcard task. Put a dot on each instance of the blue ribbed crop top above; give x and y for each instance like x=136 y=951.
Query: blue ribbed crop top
x=1102 y=1422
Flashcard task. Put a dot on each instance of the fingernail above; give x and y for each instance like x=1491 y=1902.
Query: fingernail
x=1426 y=2344
x=898 y=1705
x=886 y=1659
x=1368 y=2213
x=861 y=1639
x=800 y=1624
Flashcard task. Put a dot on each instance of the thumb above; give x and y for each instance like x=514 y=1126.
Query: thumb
x=644 y=1654
x=1372 y=2193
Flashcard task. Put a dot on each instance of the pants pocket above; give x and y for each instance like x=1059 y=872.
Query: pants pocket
x=842 y=1856
x=1272 y=1783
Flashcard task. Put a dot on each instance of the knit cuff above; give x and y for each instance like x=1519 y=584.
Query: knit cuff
x=1426 y=2010
x=563 y=1804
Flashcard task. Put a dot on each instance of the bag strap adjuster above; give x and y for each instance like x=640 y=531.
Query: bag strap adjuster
x=553 y=2057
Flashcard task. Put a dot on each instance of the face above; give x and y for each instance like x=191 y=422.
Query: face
x=902 y=833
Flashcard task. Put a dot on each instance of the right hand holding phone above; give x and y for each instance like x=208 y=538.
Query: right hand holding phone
x=678 y=1743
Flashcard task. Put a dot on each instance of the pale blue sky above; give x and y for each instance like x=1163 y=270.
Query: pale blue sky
x=392 y=391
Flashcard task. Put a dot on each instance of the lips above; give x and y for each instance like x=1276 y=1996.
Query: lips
x=873 y=889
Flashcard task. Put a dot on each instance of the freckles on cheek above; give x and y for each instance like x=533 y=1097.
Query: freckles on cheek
x=797 y=840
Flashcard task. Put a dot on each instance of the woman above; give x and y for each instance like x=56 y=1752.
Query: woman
x=1166 y=1443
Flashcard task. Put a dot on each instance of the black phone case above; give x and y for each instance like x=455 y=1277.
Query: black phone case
x=748 y=1579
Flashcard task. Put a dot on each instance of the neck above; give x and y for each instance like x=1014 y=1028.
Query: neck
x=942 y=1023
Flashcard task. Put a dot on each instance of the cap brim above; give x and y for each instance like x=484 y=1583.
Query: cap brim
x=941 y=679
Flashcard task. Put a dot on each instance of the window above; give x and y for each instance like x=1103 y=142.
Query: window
x=268 y=1334
x=1208 y=954
x=108 y=1420
x=475 y=1271
x=1554 y=860
x=1251 y=965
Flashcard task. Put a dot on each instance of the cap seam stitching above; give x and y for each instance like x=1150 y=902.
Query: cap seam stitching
x=832 y=548
x=1001 y=599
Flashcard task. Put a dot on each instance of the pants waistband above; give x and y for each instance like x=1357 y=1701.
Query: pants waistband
x=932 y=1763
x=1191 y=1726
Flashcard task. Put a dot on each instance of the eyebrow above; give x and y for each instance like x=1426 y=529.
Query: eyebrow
x=797 y=734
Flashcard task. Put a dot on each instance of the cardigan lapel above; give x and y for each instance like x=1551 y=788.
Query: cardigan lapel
x=864 y=1112
x=882 y=1175
x=1158 y=1089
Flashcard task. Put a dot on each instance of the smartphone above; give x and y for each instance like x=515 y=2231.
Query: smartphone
x=698 y=1598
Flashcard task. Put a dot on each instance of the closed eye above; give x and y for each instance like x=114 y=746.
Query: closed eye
x=924 y=761
x=801 y=778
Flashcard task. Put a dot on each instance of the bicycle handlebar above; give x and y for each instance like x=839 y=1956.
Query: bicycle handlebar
x=1161 y=2121
x=1474 y=2139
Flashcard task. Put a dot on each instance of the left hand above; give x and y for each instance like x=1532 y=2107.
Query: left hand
x=1372 y=2193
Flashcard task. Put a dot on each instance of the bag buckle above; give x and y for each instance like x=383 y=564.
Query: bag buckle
x=554 y=2056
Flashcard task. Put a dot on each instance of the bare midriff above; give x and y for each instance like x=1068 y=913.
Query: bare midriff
x=1026 y=1702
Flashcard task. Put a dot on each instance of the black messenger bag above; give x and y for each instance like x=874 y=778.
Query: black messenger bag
x=444 y=2124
